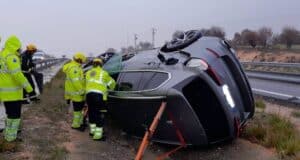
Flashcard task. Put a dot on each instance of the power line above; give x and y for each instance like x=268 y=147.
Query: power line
x=135 y=40
x=153 y=36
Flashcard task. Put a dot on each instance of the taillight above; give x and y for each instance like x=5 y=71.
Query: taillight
x=201 y=64
x=213 y=74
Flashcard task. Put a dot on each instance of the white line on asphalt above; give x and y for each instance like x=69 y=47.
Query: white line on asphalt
x=275 y=93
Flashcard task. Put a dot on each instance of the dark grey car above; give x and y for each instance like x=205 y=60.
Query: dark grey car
x=207 y=92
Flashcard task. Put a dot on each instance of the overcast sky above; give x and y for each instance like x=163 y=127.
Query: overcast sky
x=66 y=26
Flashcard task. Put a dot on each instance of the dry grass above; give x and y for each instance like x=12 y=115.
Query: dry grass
x=296 y=114
x=272 y=131
x=259 y=103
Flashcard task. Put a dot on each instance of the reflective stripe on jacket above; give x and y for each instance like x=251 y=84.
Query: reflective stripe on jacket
x=74 y=83
x=12 y=80
x=98 y=80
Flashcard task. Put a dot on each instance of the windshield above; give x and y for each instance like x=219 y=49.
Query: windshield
x=114 y=64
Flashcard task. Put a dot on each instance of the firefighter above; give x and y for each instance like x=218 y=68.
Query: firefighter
x=74 y=88
x=12 y=82
x=27 y=62
x=97 y=83
x=28 y=67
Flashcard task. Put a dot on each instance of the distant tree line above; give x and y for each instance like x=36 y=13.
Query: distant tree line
x=266 y=38
x=214 y=31
x=263 y=37
x=141 y=46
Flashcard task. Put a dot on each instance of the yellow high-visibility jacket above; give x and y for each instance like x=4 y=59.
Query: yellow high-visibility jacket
x=12 y=80
x=98 y=80
x=74 y=83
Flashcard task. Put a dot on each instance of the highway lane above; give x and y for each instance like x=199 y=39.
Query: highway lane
x=276 y=89
x=276 y=85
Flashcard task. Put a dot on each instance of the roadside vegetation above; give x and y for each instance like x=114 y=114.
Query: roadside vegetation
x=273 y=131
x=259 y=103
x=296 y=114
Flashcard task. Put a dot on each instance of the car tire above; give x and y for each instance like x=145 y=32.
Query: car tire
x=176 y=44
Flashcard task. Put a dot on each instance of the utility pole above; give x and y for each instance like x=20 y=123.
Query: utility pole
x=153 y=37
x=135 y=40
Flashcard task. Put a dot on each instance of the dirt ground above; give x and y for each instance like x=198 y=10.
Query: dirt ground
x=237 y=150
x=120 y=147
x=81 y=146
x=268 y=56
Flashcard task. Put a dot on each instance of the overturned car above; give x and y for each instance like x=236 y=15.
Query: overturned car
x=207 y=92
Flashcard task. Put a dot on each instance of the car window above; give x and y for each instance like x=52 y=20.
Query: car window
x=141 y=80
x=155 y=80
x=129 y=81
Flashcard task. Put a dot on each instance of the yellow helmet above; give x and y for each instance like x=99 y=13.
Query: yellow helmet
x=97 y=60
x=79 y=56
x=31 y=47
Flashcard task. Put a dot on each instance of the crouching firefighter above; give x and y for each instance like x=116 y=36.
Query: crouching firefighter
x=74 y=88
x=12 y=82
x=97 y=83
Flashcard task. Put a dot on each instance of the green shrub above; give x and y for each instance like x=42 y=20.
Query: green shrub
x=296 y=114
x=274 y=131
x=259 y=103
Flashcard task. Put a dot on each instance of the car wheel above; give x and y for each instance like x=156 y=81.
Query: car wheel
x=186 y=39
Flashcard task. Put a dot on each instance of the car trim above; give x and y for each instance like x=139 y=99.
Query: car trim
x=213 y=52
x=135 y=97
x=147 y=90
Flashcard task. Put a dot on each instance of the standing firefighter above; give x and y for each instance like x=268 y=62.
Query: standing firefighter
x=28 y=67
x=12 y=82
x=97 y=82
x=74 y=88
x=27 y=62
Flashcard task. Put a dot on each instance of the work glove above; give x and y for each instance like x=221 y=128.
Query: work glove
x=32 y=70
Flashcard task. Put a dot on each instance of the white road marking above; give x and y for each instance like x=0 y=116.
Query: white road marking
x=275 y=93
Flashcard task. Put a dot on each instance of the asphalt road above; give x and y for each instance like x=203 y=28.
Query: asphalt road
x=275 y=88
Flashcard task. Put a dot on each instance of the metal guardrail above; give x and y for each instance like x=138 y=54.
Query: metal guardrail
x=278 y=96
x=275 y=76
x=272 y=64
x=42 y=64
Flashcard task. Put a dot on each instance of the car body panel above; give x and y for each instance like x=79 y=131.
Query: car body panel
x=206 y=106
